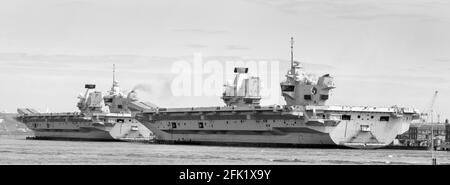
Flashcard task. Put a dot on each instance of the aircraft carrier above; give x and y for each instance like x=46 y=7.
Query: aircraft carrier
x=100 y=118
x=304 y=121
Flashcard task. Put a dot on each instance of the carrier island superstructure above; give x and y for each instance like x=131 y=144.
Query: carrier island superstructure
x=304 y=120
x=100 y=117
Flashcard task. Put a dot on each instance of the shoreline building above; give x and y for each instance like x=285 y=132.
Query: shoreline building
x=419 y=134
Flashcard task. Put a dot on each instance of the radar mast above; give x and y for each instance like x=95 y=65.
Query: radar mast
x=292 y=52
x=115 y=87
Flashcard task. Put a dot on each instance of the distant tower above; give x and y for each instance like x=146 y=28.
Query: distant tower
x=447 y=131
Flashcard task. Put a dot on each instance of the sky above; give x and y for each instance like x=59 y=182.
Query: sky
x=380 y=52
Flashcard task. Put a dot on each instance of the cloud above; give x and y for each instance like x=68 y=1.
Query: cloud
x=87 y=63
x=199 y=31
x=196 y=46
x=443 y=60
x=399 y=78
x=362 y=10
x=235 y=47
x=329 y=6
x=67 y=58
x=390 y=16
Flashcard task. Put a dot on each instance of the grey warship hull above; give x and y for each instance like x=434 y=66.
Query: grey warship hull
x=75 y=135
x=279 y=126
x=74 y=126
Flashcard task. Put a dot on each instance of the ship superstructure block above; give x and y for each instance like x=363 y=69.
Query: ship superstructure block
x=245 y=89
x=300 y=89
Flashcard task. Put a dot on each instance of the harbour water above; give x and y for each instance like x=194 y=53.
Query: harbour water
x=18 y=150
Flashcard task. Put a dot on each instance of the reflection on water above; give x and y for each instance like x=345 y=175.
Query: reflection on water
x=18 y=150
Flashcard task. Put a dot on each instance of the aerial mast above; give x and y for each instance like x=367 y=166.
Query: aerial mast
x=114 y=73
x=115 y=84
x=292 y=52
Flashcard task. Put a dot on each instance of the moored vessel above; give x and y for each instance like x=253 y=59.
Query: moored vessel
x=101 y=118
x=305 y=120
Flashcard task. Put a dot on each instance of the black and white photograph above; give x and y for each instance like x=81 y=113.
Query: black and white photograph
x=224 y=82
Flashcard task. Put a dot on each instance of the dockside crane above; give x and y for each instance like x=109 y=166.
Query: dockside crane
x=430 y=108
x=430 y=118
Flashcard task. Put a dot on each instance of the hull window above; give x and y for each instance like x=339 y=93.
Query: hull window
x=174 y=125
x=384 y=118
x=365 y=128
x=287 y=88
x=134 y=128
x=200 y=125
x=346 y=117
x=307 y=97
